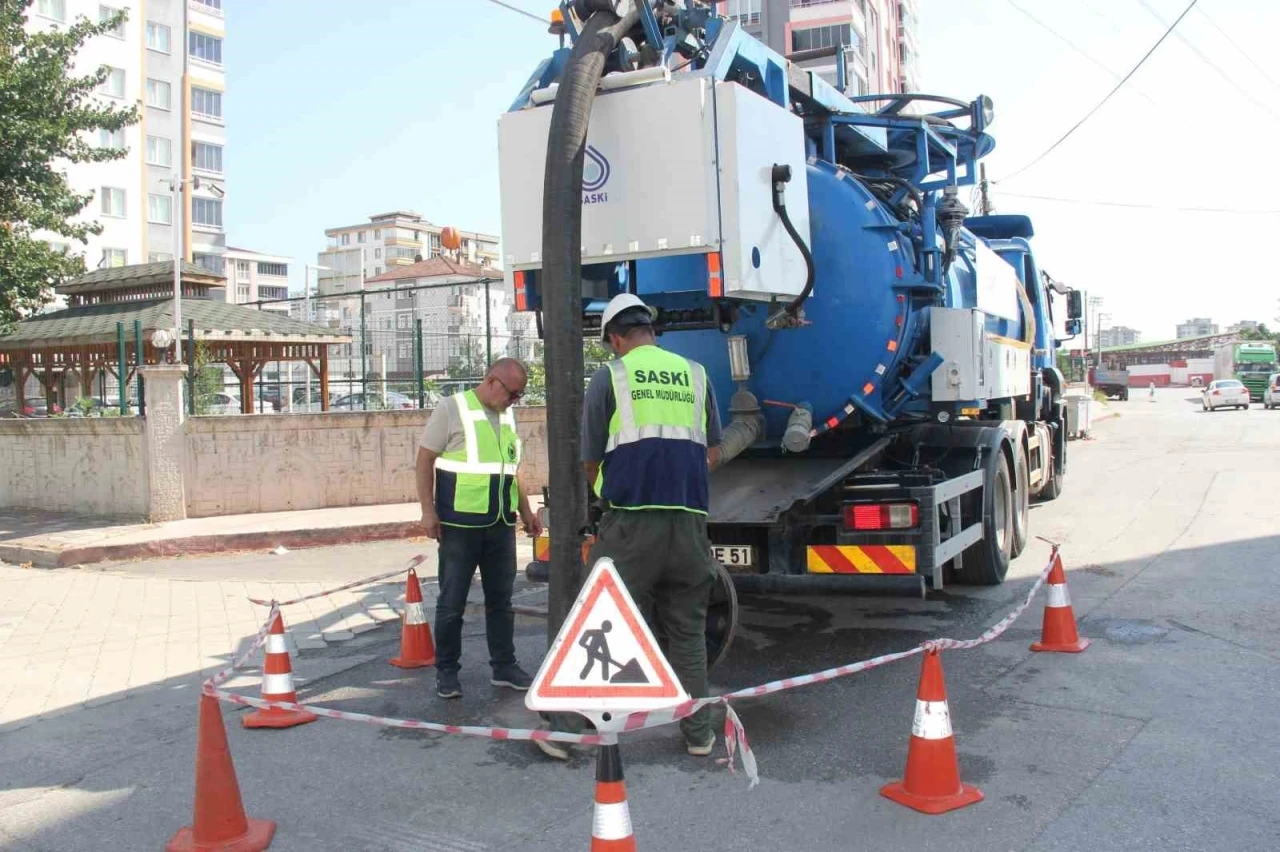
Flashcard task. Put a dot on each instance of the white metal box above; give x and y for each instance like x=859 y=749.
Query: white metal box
x=976 y=366
x=673 y=167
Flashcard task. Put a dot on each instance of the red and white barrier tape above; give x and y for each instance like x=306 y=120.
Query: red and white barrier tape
x=412 y=563
x=735 y=735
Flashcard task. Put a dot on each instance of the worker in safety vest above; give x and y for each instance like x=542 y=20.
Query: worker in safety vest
x=468 y=461
x=650 y=431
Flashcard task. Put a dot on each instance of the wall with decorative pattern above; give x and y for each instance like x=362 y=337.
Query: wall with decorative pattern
x=91 y=466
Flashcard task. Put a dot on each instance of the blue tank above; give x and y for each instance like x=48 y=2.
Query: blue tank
x=867 y=317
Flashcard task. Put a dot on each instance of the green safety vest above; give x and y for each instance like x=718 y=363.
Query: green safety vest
x=476 y=485
x=656 y=455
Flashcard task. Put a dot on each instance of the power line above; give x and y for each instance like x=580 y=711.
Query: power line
x=1213 y=65
x=1238 y=48
x=1141 y=206
x=1103 y=102
x=517 y=10
x=1081 y=51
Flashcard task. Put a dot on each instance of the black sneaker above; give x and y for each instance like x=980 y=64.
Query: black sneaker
x=448 y=685
x=512 y=677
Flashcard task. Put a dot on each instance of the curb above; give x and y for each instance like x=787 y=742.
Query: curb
x=204 y=544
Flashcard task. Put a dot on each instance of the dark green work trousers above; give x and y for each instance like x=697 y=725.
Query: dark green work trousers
x=664 y=558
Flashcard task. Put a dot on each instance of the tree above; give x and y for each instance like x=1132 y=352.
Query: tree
x=48 y=117
x=469 y=362
x=208 y=379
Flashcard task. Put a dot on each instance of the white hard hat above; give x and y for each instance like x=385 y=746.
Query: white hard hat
x=617 y=305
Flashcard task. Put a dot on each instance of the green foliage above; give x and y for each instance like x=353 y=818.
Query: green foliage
x=48 y=117
x=594 y=354
x=208 y=379
x=470 y=363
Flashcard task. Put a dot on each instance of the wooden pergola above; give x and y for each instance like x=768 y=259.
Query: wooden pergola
x=112 y=315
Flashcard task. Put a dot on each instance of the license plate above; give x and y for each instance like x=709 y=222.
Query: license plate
x=734 y=555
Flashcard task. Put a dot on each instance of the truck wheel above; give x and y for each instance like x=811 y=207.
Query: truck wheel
x=722 y=619
x=987 y=562
x=1021 y=502
x=1053 y=484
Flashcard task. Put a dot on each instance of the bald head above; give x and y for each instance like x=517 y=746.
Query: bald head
x=503 y=384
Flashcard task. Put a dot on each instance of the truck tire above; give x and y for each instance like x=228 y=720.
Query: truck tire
x=1053 y=485
x=1021 y=501
x=987 y=562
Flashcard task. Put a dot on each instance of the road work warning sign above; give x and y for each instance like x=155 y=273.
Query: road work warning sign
x=605 y=659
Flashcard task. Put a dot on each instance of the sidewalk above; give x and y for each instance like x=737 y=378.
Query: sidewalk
x=50 y=540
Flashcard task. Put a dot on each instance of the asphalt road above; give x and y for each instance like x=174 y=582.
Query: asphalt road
x=1161 y=735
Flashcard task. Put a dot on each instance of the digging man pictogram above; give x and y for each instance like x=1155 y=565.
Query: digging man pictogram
x=596 y=644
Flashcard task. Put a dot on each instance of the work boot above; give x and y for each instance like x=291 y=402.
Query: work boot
x=703 y=749
x=512 y=677
x=448 y=685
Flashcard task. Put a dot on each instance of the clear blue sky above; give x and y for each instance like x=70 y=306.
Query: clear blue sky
x=350 y=110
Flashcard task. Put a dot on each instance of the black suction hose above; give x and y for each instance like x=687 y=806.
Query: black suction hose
x=562 y=301
x=781 y=177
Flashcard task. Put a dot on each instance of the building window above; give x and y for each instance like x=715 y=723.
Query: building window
x=59 y=247
x=242 y=270
x=113 y=86
x=360 y=237
x=159 y=94
x=213 y=5
x=212 y=262
x=402 y=321
x=377 y=254
x=55 y=9
x=377 y=233
x=159 y=257
x=346 y=239
x=113 y=139
x=208 y=157
x=106 y=13
x=817 y=37
x=207 y=212
x=112 y=257
x=405 y=350
x=113 y=202
x=280 y=269
x=377 y=270
x=206 y=102
x=160 y=209
x=746 y=11
x=159 y=151
x=242 y=293
x=159 y=37
x=205 y=47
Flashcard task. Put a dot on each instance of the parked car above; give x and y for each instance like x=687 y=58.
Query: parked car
x=1271 y=396
x=355 y=402
x=1225 y=393
x=223 y=403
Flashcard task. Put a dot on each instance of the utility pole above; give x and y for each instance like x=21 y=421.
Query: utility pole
x=984 y=196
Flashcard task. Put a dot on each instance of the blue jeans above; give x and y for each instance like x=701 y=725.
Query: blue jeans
x=493 y=550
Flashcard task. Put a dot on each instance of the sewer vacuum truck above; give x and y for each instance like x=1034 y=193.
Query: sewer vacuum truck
x=884 y=361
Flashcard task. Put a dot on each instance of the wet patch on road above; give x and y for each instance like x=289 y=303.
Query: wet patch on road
x=1126 y=631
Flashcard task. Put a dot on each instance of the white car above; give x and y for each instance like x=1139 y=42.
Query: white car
x=223 y=403
x=1225 y=393
x=1271 y=396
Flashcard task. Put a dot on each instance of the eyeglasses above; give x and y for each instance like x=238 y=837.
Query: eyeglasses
x=514 y=396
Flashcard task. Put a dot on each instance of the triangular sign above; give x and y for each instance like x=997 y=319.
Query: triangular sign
x=605 y=659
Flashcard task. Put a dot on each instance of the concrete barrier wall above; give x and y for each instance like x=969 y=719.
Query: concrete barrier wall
x=92 y=466
x=277 y=463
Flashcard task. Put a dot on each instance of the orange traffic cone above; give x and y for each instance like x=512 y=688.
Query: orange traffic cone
x=611 y=824
x=1059 y=631
x=416 y=648
x=277 y=685
x=218 y=823
x=931 y=783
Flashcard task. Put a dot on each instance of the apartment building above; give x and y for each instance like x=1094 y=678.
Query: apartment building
x=1196 y=327
x=389 y=241
x=166 y=57
x=1118 y=335
x=877 y=41
x=253 y=276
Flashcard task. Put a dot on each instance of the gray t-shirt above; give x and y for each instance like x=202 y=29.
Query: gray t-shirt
x=599 y=406
x=443 y=432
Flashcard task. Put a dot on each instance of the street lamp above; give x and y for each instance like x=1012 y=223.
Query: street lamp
x=1101 y=319
x=175 y=192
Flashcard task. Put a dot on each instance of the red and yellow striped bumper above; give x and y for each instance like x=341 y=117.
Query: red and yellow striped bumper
x=862 y=559
x=542 y=548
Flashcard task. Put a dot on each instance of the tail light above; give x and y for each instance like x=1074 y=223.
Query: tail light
x=869 y=517
x=1217 y=393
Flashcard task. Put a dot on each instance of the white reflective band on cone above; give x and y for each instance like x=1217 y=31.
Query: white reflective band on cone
x=276 y=644
x=277 y=684
x=612 y=822
x=415 y=613
x=1058 y=596
x=932 y=721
